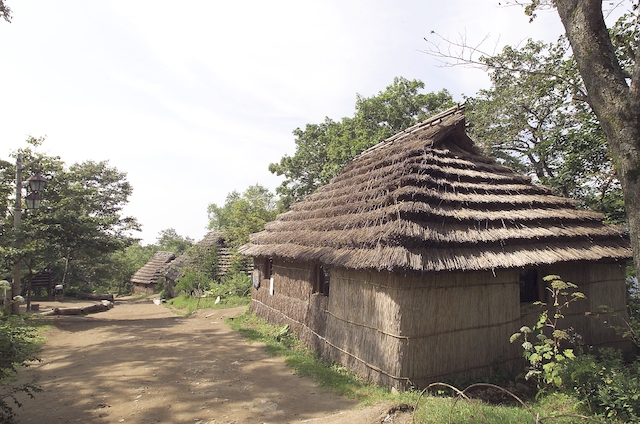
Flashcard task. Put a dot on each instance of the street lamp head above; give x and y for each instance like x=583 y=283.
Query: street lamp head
x=33 y=200
x=37 y=182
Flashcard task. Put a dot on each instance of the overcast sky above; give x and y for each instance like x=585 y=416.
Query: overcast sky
x=194 y=99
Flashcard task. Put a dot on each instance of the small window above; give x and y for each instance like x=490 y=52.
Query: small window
x=529 y=287
x=268 y=268
x=321 y=285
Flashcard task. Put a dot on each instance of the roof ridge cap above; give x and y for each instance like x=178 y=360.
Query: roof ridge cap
x=433 y=120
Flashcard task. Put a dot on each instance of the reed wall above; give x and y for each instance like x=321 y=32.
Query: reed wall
x=409 y=330
x=140 y=288
x=406 y=330
x=293 y=302
x=604 y=285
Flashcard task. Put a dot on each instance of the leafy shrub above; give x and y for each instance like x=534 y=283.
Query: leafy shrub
x=544 y=354
x=193 y=283
x=18 y=345
x=608 y=386
x=235 y=284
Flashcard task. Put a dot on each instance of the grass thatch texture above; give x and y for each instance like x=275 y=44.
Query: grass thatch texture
x=428 y=200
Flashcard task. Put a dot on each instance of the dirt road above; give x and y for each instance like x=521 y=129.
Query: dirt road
x=140 y=363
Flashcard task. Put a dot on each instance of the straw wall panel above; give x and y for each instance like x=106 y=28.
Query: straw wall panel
x=401 y=330
x=292 y=302
x=362 y=320
x=459 y=324
x=420 y=322
x=291 y=290
x=602 y=284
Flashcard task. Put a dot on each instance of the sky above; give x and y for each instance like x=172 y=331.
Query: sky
x=194 y=99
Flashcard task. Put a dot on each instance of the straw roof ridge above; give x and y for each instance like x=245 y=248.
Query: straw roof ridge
x=426 y=159
x=447 y=119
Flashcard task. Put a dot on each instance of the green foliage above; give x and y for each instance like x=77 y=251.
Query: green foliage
x=5 y=11
x=232 y=290
x=243 y=214
x=193 y=283
x=119 y=267
x=233 y=284
x=323 y=149
x=607 y=385
x=79 y=224
x=170 y=241
x=545 y=353
x=535 y=120
x=205 y=260
x=200 y=273
x=19 y=344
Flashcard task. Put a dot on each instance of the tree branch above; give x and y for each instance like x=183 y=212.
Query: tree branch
x=459 y=53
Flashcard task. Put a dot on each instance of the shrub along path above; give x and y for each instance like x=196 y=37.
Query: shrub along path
x=140 y=363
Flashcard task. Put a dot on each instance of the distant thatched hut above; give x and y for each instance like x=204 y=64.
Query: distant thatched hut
x=146 y=278
x=423 y=256
x=213 y=239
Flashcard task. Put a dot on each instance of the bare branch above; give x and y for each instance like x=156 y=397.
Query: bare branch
x=460 y=53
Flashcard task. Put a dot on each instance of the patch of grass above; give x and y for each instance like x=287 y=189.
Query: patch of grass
x=279 y=341
x=432 y=408
x=555 y=408
x=186 y=305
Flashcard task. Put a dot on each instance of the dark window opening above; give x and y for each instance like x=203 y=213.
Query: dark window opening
x=529 y=287
x=321 y=285
x=268 y=268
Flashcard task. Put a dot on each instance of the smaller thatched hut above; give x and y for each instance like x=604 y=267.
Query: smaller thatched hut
x=146 y=278
x=424 y=255
x=175 y=269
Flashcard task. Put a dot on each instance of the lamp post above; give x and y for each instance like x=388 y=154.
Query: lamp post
x=36 y=183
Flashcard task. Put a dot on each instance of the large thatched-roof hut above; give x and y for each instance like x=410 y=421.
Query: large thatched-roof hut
x=145 y=279
x=423 y=256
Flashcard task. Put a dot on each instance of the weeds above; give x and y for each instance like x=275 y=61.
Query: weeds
x=19 y=344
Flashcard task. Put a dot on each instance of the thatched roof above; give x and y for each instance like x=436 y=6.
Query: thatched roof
x=150 y=272
x=174 y=269
x=427 y=199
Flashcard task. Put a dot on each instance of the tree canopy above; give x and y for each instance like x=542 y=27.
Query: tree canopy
x=169 y=240
x=533 y=120
x=79 y=223
x=323 y=149
x=609 y=64
x=243 y=214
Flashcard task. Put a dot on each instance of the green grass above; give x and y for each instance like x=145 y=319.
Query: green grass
x=432 y=408
x=186 y=305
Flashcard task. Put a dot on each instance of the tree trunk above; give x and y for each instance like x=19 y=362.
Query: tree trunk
x=81 y=311
x=615 y=103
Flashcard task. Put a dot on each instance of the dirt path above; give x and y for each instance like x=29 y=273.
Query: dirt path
x=139 y=363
